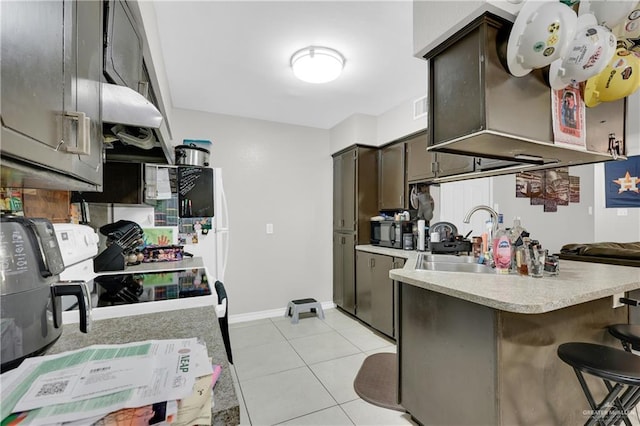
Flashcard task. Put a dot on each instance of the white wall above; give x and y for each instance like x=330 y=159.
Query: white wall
x=432 y=18
x=356 y=129
x=279 y=174
x=399 y=122
x=390 y=126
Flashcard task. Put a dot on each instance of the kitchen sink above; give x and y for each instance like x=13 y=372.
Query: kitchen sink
x=451 y=263
x=455 y=267
x=448 y=258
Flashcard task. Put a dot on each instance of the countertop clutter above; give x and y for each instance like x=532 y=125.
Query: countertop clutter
x=200 y=322
x=578 y=282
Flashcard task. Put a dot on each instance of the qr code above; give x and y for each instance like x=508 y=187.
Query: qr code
x=52 y=388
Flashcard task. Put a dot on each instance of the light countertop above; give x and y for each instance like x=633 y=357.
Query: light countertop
x=578 y=282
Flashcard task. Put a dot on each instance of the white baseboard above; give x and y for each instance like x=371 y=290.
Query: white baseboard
x=272 y=313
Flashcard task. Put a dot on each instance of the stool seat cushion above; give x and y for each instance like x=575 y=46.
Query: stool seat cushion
x=626 y=332
x=602 y=361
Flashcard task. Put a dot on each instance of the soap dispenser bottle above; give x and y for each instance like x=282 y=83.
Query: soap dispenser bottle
x=502 y=249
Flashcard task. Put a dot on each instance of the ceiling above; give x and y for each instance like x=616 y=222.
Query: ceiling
x=232 y=57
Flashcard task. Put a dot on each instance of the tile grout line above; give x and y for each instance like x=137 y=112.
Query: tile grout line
x=246 y=409
x=308 y=366
x=360 y=326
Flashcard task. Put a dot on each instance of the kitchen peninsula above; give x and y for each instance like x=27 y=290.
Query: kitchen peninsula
x=198 y=322
x=481 y=348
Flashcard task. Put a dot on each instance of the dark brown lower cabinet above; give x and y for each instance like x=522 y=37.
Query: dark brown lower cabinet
x=344 y=277
x=375 y=298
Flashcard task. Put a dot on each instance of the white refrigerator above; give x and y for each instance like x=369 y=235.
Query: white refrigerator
x=213 y=246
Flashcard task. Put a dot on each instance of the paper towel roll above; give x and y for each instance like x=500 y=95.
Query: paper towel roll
x=421 y=235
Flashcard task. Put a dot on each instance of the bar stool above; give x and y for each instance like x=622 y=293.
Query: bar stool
x=620 y=372
x=629 y=335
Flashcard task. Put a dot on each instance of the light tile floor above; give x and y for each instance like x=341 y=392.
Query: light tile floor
x=302 y=374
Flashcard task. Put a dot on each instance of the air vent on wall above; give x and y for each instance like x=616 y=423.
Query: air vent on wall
x=420 y=108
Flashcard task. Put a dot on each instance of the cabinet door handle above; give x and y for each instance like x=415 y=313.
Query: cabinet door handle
x=83 y=138
x=372 y=262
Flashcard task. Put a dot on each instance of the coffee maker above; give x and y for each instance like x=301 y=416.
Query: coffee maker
x=30 y=289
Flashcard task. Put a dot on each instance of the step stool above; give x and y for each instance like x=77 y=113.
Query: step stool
x=302 y=305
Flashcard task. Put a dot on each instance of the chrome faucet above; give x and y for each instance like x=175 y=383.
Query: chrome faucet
x=494 y=218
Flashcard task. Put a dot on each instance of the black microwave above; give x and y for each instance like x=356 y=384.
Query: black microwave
x=388 y=233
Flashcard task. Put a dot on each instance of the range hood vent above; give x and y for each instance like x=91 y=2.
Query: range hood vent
x=122 y=105
x=476 y=108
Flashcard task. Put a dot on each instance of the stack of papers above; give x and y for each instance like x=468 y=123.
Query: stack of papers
x=158 y=381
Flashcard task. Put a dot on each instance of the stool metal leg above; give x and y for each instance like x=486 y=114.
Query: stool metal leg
x=621 y=412
x=599 y=415
x=629 y=400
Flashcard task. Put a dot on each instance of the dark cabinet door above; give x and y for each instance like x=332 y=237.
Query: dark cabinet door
x=452 y=164
x=51 y=72
x=382 y=294
x=344 y=292
x=398 y=263
x=344 y=191
x=423 y=165
x=419 y=161
x=375 y=290
x=123 y=46
x=364 y=283
x=391 y=184
x=33 y=39
x=348 y=194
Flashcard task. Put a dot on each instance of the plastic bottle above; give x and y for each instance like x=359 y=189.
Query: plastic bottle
x=502 y=249
x=421 y=235
x=515 y=234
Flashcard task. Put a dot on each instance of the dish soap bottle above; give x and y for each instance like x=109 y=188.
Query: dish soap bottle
x=502 y=249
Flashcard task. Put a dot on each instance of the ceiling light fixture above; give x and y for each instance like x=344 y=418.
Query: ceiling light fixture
x=316 y=64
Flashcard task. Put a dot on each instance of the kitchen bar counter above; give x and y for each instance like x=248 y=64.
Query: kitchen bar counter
x=578 y=282
x=491 y=340
x=200 y=322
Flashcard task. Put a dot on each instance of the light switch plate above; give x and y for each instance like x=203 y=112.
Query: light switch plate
x=269 y=228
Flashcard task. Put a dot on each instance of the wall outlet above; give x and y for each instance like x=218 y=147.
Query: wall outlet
x=622 y=212
x=616 y=300
x=269 y=228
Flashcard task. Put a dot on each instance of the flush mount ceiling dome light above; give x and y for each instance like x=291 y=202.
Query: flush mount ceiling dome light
x=316 y=64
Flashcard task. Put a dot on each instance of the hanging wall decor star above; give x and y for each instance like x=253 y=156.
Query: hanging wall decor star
x=628 y=183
